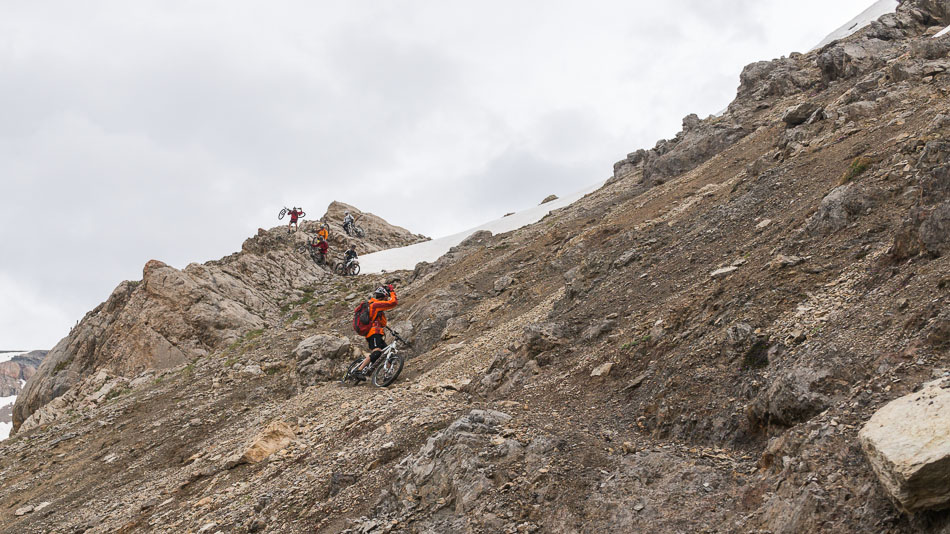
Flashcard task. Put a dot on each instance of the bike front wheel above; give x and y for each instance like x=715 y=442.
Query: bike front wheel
x=388 y=372
x=354 y=269
x=280 y=215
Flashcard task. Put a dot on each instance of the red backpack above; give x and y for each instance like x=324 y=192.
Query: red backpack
x=361 y=322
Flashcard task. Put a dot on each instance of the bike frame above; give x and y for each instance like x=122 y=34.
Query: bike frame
x=388 y=352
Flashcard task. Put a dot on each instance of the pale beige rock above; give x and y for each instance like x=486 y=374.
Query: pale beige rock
x=908 y=444
x=602 y=370
x=275 y=437
x=719 y=273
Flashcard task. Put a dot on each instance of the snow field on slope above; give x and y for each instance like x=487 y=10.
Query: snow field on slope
x=7 y=356
x=405 y=258
x=881 y=7
x=5 y=427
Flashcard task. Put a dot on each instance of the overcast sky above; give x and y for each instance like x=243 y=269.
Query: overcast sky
x=173 y=130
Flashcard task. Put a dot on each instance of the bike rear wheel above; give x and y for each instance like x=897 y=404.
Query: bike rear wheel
x=388 y=371
x=349 y=377
x=339 y=269
x=359 y=231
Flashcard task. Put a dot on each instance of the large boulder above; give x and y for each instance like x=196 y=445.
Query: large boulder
x=847 y=59
x=794 y=396
x=907 y=443
x=430 y=317
x=322 y=346
x=699 y=141
x=776 y=78
x=838 y=209
x=317 y=357
x=448 y=470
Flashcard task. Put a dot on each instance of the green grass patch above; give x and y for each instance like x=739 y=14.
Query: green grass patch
x=858 y=166
x=253 y=334
x=62 y=365
x=294 y=316
x=116 y=393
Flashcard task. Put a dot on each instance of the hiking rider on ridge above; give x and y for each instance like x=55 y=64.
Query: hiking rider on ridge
x=348 y=221
x=384 y=298
x=323 y=247
x=324 y=231
x=294 y=214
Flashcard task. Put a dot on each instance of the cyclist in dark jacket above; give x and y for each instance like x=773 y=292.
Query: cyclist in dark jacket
x=349 y=255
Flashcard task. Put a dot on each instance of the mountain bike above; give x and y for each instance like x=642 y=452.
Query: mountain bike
x=310 y=247
x=354 y=229
x=351 y=268
x=384 y=371
x=285 y=210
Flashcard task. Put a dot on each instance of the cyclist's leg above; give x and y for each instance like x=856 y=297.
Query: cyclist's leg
x=376 y=344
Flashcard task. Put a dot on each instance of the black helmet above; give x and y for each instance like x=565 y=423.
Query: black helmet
x=381 y=293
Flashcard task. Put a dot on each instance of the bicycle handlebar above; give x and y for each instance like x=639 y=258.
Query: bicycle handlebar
x=393 y=332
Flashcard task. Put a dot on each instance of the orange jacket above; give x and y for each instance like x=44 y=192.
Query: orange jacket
x=377 y=319
x=324 y=233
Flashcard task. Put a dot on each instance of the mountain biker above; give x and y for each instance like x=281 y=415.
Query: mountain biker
x=324 y=231
x=384 y=298
x=294 y=214
x=348 y=222
x=323 y=247
x=349 y=255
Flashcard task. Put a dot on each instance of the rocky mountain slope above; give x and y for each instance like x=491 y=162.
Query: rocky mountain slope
x=693 y=347
x=18 y=369
x=172 y=316
x=14 y=372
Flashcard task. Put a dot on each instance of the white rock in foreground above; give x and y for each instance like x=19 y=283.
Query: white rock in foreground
x=908 y=444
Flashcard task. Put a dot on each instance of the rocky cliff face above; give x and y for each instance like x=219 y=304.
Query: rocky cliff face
x=172 y=316
x=18 y=370
x=693 y=347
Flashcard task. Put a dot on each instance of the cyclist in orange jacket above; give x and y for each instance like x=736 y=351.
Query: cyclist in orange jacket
x=384 y=298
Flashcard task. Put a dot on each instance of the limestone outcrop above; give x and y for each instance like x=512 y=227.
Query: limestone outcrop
x=907 y=443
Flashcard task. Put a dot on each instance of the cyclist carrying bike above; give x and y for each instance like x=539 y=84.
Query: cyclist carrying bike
x=384 y=298
x=294 y=215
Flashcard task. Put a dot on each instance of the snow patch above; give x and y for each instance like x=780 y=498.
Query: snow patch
x=7 y=356
x=6 y=403
x=942 y=32
x=869 y=15
x=405 y=258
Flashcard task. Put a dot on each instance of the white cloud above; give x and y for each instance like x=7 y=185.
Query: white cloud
x=139 y=130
